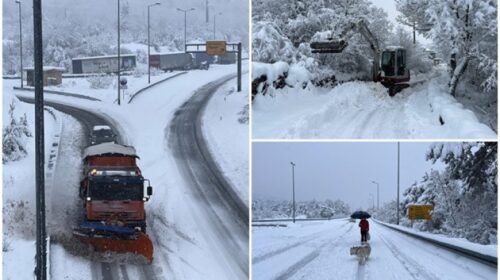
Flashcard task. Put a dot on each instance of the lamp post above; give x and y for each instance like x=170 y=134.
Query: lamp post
x=397 y=198
x=218 y=14
x=185 y=22
x=20 y=40
x=149 y=45
x=373 y=200
x=119 y=60
x=378 y=194
x=293 y=190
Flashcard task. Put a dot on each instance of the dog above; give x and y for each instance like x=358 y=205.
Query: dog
x=362 y=252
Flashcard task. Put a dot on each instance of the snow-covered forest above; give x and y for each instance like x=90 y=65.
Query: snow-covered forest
x=458 y=41
x=274 y=209
x=89 y=28
x=463 y=195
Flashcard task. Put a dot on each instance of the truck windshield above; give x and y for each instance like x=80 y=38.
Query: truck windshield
x=116 y=189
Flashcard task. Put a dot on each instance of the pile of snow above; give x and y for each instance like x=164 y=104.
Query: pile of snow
x=365 y=110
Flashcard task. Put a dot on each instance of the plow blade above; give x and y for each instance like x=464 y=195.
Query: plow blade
x=121 y=240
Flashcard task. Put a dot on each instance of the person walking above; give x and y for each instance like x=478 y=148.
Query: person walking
x=365 y=227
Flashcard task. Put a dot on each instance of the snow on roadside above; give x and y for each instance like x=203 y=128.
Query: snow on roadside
x=19 y=195
x=490 y=250
x=108 y=92
x=227 y=111
x=364 y=110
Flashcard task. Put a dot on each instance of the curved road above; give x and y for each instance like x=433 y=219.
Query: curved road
x=100 y=270
x=225 y=210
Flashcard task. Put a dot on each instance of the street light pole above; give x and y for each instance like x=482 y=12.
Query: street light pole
x=20 y=40
x=293 y=190
x=41 y=235
x=149 y=45
x=397 y=198
x=373 y=200
x=214 y=21
x=119 y=59
x=185 y=22
x=378 y=194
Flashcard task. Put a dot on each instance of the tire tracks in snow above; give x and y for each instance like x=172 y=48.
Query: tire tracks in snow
x=293 y=269
x=283 y=249
x=109 y=271
x=410 y=265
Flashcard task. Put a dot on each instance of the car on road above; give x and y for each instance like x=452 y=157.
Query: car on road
x=102 y=134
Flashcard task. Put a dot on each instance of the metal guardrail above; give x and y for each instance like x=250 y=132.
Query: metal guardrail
x=154 y=84
x=486 y=259
x=60 y=93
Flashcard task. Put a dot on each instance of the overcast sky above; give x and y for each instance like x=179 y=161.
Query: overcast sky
x=336 y=170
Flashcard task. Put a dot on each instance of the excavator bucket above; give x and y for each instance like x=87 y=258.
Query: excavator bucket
x=328 y=46
x=115 y=239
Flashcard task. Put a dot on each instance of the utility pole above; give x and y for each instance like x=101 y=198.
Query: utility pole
x=397 y=198
x=185 y=22
x=239 y=67
x=119 y=59
x=378 y=194
x=293 y=190
x=219 y=13
x=20 y=41
x=206 y=11
x=149 y=45
x=41 y=241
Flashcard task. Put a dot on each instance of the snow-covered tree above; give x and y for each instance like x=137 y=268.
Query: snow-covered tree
x=465 y=31
x=464 y=195
x=15 y=136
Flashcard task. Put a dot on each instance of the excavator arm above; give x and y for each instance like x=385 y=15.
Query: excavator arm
x=337 y=46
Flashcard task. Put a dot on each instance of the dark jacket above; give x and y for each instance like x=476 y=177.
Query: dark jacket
x=363 y=224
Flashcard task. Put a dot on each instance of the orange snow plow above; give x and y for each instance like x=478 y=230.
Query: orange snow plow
x=113 y=193
x=116 y=239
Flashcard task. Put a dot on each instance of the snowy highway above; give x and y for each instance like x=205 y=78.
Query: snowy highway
x=320 y=250
x=198 y=228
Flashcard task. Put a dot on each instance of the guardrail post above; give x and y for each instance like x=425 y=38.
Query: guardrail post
x=239 y=66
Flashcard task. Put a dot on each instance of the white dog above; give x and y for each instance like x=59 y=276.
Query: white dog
x=362 y=252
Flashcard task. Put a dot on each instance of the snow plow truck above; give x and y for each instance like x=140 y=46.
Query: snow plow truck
x=112 y=192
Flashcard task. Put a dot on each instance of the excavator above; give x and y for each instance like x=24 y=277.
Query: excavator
x=389 y=64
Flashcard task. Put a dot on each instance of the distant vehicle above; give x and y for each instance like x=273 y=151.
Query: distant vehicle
x=180 y=61
x=102 y=134
x=103 y=64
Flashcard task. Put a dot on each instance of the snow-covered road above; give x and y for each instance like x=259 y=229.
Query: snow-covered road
x=365 y=110
x=187 y=245
x=320 y=250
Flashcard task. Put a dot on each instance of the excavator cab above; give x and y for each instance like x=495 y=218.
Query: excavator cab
x=393 y=71
x=393 y=62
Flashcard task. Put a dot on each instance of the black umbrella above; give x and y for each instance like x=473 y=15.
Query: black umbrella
x=360 y=215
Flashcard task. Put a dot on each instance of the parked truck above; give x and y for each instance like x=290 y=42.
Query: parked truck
x=180 y=61
x=112 y=192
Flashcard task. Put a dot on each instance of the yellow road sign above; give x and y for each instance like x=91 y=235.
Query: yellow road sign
x=216 y=47
x=416 y=212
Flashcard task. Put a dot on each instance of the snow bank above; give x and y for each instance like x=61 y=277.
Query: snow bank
x=228 y=111
x=365 y=110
